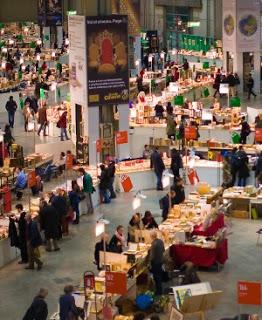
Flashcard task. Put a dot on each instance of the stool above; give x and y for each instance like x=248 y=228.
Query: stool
x=259 y=234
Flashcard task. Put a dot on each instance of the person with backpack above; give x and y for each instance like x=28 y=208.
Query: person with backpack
x=245 y=131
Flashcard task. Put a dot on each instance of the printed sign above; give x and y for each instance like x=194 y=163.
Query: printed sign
x=121 y=137
x=116 y=282
x=249 y=293
x=107 y=60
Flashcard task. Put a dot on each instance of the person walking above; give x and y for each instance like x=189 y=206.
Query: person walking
x=34 y=241
x=217 y=82
x=104 y=184
x=21 y=221
x=176 y=162
x=156 y=163
x=156 y=260
x=42 y=120
x=49 y=221
x=62 y=124
x=245 y=131
x=38 y=309
x=88 y=189
x=11 y=107
x=74 y=197
x=250 y=86
x=67 y=306
x=26 y=113
x=112 y=172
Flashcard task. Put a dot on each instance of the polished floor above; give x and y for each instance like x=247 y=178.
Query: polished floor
x=18 y=286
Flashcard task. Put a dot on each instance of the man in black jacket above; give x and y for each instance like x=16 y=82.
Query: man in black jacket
x=250 y=86
x=34 y=241
x=11 y=107
x=156 y=163
x=100 y=246
x=38 y=309
x=49 y=221
x=60 y=205
x=22 y=233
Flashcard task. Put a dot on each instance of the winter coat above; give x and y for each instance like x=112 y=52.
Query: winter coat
x=33 y=234
x=62 y=122
x=157 y=163
x=49 y=220
x=12 y=234
x=59 y=203
x=37 y=311
x=42 y=116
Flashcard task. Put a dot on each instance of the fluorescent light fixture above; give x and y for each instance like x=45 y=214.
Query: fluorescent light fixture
x=21 y=61
x=100 y=228
x=137 y=63
x=39 y=42
x=136 y=203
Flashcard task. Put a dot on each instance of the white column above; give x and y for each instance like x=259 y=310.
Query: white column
x=238 y=68
x=59 y=32
x=93 y=133
x=256 y=76
x=124 y=149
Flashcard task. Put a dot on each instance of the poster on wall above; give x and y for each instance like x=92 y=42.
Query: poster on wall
x=107 y=60
x=229 y=25
x=248 y=25
x=54 y=12
x=41 y=12
x=77 y=59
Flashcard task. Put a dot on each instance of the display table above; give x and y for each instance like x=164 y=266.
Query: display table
x=7 y=253
x=212 y=229
x=201 y=257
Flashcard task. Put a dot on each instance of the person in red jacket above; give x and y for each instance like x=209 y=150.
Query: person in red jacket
x=62 y=124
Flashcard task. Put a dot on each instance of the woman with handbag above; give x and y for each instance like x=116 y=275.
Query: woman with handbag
x=75 y=198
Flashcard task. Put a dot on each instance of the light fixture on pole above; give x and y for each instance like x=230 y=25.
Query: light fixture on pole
x=4 y=50
x=21 y=61
x=39 y=42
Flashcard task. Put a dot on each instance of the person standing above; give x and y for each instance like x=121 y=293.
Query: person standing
x=67 y=306
x=62 y=124
x=38 y=309
x=217 y=82
x=26 y=113
x=60 y=205
x=34 y=241
x=75 y=200
x=88 y=189
x=165 y=203
x=100 y=246
x=11 y=107
x=156 y=163
x=171 y=127
x=8 y=138
x=49 y=221
x=245 y=131
x=156 y=260
x=250 y=86
x=243 y=172
x=176 y=162
x=112 y=172
x=234 y=165
x=21 y=221
x=42 y=120
x=159 y=110
x=104 y=184
x=232 y=83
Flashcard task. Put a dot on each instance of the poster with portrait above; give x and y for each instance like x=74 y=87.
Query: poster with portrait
x=248 y=25
x=41 y=12
x=54 y=12
x=107 y=60
x=229 y=25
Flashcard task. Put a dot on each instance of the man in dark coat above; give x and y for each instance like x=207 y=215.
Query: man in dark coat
x=34 y=241
x=22 y=233
x=38 y=309
x=59 y=203
x=11 y=107
x=49 y=221
x=104 y=242
x=156 y=163
x=42 y=120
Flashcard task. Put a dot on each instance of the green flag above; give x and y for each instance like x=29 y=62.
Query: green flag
x=42 y=94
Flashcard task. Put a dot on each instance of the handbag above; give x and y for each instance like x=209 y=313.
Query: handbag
x=82 y=196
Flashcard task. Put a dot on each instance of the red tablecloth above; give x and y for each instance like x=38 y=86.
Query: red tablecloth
x=211 y=230
x=201 y=257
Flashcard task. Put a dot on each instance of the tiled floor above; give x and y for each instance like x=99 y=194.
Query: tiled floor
x=18 y=286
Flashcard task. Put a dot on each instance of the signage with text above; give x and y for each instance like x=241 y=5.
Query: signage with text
x=121 y=137
x=107 y=60
x=116 y=283
x=249 y=293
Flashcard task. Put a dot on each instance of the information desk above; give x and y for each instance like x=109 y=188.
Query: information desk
x=201 y=257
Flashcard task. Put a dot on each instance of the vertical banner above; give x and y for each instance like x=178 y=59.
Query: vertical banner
x=107 y=59
x=229 y=25
x=77 y=59
x=248 y=25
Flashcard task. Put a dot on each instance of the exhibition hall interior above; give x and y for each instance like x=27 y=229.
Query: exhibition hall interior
x=130 y=160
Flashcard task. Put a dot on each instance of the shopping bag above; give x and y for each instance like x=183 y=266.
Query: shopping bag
x=193 y=177
x=235 y=102
x=206 y=92
x=126 y=182
x=254 y=214
x=235 y=138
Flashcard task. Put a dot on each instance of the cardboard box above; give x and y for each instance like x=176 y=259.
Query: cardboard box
x=240 y=214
